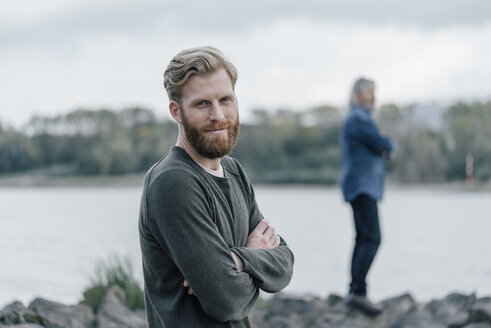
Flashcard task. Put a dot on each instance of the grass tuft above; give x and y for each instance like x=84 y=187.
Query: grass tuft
x=114 y=271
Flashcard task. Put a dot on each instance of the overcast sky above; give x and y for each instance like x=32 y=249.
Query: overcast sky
x=56 y=56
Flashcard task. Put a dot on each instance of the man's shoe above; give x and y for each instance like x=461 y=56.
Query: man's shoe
x=364 y=304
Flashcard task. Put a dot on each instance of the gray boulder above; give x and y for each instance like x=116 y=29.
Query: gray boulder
x=450 y=312
x=453 y=310
x=17 y=313
x=23 y=325
x=59 y=315
x=112 y=313
x=301 y=307
x=478 y=325
x=341 y=315
x=395 y=309
x=481 y=310
x=417 y=318
x=280 y=311
x=287 y=311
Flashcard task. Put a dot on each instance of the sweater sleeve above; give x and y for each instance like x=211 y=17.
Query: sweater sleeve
x=271 y=269
x=366 y=132
x=182 y=223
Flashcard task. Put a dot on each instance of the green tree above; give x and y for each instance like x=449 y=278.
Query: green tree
x=418 y=156
x=467 y=130
x=16 y=152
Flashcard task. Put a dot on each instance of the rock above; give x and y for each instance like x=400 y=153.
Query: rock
x=396 y=308
x=312 y=312
x=453 y=310
x=296 y=311
x=286 y=311
x=17 y=313
x=23 y=325
x=334 y=300
x=478 y=325
x=306 y=305
x=280 y=311
x=280 y=322
x=481 y=310
x=59 y=315
x=417 y=318
x=112 y=313
x=338 y=314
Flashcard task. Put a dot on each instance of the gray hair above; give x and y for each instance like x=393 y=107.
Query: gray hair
x=201 y=60
x=361 y=85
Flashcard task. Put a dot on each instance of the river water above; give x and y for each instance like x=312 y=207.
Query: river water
x=435 y=241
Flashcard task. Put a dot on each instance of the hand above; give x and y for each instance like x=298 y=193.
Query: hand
x=190 y=290
x=238 y=262
x=263 y=237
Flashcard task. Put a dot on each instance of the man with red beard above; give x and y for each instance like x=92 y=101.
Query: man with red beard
x=206 y=248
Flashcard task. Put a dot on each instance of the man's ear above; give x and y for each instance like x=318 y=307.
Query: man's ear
x=174 y=111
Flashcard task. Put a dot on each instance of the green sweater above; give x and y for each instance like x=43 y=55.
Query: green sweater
x=189 y=223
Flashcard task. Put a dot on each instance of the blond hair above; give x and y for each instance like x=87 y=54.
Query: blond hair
x=201 y=60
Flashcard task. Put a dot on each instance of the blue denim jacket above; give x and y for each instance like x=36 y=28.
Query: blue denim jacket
x=362 y=148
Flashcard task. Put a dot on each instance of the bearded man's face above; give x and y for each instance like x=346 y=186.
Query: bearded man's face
x=209 y=114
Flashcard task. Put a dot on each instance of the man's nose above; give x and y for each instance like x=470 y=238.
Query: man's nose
x=216 y=112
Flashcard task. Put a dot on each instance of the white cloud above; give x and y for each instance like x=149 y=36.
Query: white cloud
x=16 y=12
x=306 y=63
x=295 y=63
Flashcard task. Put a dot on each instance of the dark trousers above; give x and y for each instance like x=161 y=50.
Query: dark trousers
x=368 y=239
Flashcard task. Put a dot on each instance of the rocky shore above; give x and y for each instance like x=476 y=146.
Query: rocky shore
x=454 y=311
x=281 y=311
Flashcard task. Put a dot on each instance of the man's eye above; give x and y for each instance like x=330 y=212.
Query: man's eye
x=226 y=99
x=202 y=103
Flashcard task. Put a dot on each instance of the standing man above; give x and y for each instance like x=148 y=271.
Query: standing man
x=206 y=249
x=363 y=152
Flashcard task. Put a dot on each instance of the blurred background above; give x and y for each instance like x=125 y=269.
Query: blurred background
x=83 y=114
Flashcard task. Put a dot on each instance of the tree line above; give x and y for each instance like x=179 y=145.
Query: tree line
x=284 y=146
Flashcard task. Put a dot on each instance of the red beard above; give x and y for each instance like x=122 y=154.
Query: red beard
x=212 y=146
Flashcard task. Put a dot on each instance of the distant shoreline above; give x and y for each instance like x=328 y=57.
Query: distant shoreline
x=33 y=180
x=43 y=180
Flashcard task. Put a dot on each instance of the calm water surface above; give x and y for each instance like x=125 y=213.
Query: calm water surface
x=434 y=241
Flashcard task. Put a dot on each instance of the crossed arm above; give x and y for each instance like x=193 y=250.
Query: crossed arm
x=262 y=237
x=367 y=133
